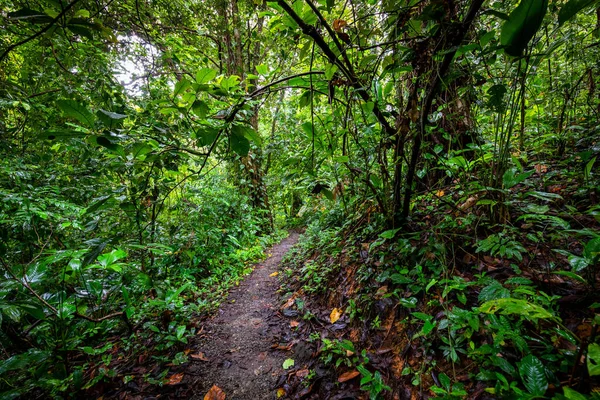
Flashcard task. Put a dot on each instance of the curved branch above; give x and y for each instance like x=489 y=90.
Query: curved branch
x=352 y=78
x=40 y=32
x=287 y=78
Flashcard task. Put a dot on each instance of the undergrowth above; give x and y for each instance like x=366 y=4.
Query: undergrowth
x=459 y=306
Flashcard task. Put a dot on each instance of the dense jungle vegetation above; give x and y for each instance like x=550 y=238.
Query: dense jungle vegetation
x=440 y=156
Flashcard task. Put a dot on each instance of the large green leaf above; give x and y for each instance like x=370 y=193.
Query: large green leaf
x=23 y=360
x=248 y=132
x=78 y=111
x=508 y=306
x=592 y=249
x=522 y=25
x=181 y=87
x=571 y=394
x=110 y=119
x=533 y=374
x=593 y=359
x=104 y=141
x=206 y=135
x=239 y=143
x=200 y=108
x=205 y=75
x=29 y=15
x=569 y=10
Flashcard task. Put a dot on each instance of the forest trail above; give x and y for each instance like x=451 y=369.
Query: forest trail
x=236 y=344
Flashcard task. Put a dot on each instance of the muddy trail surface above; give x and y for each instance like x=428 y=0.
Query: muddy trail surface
x=235 y=350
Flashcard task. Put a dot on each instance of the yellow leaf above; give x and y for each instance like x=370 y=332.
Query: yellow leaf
x=280 y=393
x=440 y=193
x=336 y=313
x=274 y=274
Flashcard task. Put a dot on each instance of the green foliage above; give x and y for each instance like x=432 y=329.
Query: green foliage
x=522 y=24
x=571 y=8
x=499 y=244
x=143 y=168
x=372 y=383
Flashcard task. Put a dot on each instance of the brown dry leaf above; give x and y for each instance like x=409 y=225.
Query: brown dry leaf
x=336 y=313
x=303 y=373
x=346 y=376
x=540 y=168
x=286 y=347
x=471 y=201
x=215 y=393
x=555 y=188
x=294 y=324
x=280 y=393
x=174 y=379
x=187 y=351
x=381 y=292
x=344 y=37
x=289 y=303
x=274 y=274
x=200 y=356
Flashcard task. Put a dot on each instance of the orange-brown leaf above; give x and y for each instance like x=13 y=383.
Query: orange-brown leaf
x=294 y=324
x=174 y=379
x=215 y=393
x=346 y=376
x=200 y=356
x=338 y=24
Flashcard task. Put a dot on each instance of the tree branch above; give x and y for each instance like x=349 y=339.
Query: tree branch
x=352 y=78
x=287 y=78
x=40 y=32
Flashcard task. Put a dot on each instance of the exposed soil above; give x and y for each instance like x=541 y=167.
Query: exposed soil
x=236 y=346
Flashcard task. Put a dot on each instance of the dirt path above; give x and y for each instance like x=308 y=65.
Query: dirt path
x=237 y=342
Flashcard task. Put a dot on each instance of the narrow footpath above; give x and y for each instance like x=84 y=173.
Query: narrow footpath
x=236 y=350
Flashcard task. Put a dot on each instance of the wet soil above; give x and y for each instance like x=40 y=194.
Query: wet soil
x=236 y=345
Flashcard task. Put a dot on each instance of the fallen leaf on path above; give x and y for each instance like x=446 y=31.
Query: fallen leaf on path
x=336 y=313
x=303 y=373
x=200 y=356
x=346 y=376
x=285 y=347
x=294 y=324
x=280 y=393
x=215 y=393
x=289 y=302
x=174 y=379
x=274 y=274
x=305 y=392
